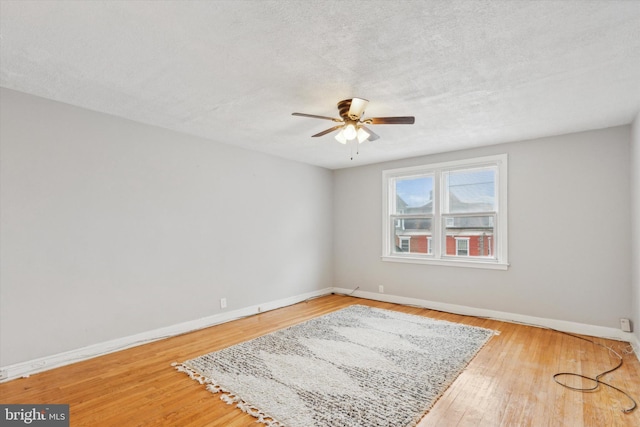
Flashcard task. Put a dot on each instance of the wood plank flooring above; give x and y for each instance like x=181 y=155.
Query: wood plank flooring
x=509 y=383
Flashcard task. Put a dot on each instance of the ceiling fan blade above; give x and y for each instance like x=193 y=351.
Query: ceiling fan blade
x=324 y=132
x=313 y=116
x=357 y=108
x=372 y=135
x=406 y=120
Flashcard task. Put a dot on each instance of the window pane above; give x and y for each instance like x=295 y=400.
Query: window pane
x=471 y=190
x=412 y=235
x=471 y=236
x=414 y=195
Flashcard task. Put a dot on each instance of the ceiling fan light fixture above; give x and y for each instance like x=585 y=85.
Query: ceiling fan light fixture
x=350 y=132
x=340 y=137
x=362 y=135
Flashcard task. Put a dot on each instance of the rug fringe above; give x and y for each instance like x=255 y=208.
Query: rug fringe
x=228 y=397
x=191 y=372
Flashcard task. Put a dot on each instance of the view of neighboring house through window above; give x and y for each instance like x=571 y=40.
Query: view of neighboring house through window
x=447 y=213
x=413 y=214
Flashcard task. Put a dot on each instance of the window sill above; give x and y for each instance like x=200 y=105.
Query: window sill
x=488 y=265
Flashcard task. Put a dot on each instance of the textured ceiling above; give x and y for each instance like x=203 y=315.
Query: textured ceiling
x=472 y=72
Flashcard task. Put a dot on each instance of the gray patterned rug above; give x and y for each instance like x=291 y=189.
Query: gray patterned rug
x=359 y=366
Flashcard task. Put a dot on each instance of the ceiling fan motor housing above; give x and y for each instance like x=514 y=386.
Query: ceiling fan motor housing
x=352 y=109
x=343 y=109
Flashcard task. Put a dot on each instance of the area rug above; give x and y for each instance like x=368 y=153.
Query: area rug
x=359 y=366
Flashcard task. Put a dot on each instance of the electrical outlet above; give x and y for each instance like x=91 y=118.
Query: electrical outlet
x=381 y=289
x=625 y=325
x=223 y=303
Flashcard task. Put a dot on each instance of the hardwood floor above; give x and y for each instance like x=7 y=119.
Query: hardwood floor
x=509 y=383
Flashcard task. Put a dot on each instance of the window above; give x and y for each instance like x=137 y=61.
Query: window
x=451 y=213
x=462 y=246
x=404 y=244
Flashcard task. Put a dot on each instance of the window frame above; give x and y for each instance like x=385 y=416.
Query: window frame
x=438 y=252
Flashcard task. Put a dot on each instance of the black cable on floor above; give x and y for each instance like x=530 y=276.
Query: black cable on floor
x=596 y=379
x=555 y=377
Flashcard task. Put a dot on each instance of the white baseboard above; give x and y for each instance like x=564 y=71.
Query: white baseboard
x=635 y=344
x=24 y=369
x=560 y=325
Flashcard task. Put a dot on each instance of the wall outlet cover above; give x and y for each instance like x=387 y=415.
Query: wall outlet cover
x=625 y=325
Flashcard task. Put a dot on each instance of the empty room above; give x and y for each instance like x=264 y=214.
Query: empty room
x=320 y=214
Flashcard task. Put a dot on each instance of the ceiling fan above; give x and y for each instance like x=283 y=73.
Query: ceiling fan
x=352 y=125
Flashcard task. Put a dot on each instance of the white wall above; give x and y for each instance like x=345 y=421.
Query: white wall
x=569 y=242
x=111 y=228
x=635 y=222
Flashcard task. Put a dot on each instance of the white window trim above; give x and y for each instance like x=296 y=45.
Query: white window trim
x=500 y=238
